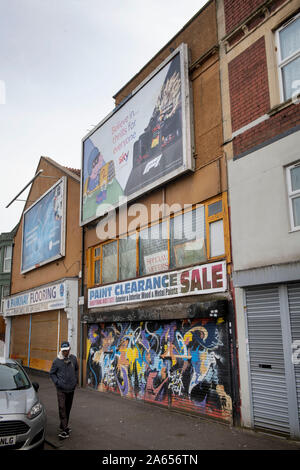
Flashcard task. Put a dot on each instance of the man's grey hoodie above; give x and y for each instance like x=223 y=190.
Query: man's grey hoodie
x=64 y=372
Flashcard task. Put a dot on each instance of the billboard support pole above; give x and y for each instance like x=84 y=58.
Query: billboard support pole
x=35 y=176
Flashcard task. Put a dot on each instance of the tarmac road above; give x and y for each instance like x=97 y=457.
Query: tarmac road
x=107 y=422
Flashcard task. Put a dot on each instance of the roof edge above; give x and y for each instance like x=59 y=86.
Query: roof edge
x=66 y=170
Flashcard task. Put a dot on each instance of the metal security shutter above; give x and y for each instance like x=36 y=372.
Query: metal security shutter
x=20 y=327
x=294 y=307
x=267 y=367
x=48 y=330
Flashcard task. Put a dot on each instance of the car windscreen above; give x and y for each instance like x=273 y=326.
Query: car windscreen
x=12 y=377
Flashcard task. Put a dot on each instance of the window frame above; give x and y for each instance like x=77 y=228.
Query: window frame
x=281 y=63
x=5 y=258
x=124 y=237
x=222 y=215
x=292 y=195
x=147 y=227
x=3 y=295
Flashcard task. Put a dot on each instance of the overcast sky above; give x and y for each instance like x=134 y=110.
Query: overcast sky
x=61 y=61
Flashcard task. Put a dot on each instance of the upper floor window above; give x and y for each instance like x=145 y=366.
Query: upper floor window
x=7 y=259
x=293 y=181
x=288 y=49
x=4 y=292
x=191 y=237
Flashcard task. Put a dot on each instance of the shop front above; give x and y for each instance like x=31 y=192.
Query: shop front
x=38 y=320
x=164 y=339
x=272 y=327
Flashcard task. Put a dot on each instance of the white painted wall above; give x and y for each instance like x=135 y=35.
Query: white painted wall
x=260 y=224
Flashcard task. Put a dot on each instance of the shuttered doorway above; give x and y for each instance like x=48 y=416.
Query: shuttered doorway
x=266 y=356
x=294 y=308
x=35 y=338
x=273 y=321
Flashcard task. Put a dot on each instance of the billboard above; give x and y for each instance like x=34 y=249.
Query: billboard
x=143 y=143
x=43 y=238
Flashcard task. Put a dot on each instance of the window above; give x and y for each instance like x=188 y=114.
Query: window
x=216 y=241
x=288 y=49
x=4 y=292
x=194 y=236
x=127 y=257
x=7 y=259
x=293 y=183
x=153 y=249
x=97 y=265
x=109 y=262
x=188 y=238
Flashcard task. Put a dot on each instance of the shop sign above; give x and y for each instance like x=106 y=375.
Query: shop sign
x=197 y=280
x=38 y=300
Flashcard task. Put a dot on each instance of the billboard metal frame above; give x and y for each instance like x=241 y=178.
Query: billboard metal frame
x=187 y=131
x=62 y=180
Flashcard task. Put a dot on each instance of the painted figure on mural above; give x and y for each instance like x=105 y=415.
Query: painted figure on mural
x=174 y=361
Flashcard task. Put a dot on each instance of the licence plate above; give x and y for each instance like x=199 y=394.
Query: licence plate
x=8 y=440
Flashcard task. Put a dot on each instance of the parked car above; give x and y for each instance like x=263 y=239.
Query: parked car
x=22 y=415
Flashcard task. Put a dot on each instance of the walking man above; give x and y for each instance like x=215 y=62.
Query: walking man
x=64 y=374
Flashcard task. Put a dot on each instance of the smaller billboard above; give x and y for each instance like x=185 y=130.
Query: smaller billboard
x=43 y=238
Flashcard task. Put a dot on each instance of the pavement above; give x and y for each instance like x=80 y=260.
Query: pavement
x=108 y=422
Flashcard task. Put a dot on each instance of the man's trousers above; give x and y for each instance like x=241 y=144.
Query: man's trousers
x=65 y=400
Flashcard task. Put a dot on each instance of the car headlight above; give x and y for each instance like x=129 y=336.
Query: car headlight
x=35 y=410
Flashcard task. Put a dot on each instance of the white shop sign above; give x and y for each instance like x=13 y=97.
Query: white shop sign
x=197 y=280
x=50 y=297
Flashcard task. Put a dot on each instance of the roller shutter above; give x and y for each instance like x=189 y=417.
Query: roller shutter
x=20 y=338
x=266 y=356
x=43 y=343
x=181 y=364
x=36 y=338
x=294 y=308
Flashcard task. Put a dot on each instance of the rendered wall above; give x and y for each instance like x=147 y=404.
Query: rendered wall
x=259 y=206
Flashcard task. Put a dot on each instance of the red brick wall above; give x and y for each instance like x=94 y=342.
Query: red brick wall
x=248 y=85
x=277 y=124
x=238 y=10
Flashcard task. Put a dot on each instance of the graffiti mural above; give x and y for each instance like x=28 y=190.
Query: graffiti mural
x=183 y=364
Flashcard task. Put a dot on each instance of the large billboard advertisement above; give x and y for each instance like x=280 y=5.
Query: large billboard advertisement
x=143 y=143
x=44 y=228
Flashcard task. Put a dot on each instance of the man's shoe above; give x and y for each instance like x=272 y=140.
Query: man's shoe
x=63 y=435
x=68 y=429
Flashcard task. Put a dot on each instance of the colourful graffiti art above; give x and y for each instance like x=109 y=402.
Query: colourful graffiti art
x=181 y=364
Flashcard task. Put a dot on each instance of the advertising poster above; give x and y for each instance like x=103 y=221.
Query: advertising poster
x=140 y=145
x=43 y=228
